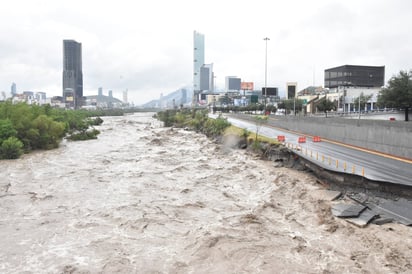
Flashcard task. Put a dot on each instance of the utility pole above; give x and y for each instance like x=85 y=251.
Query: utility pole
x=359 y=106
x=294 y=105
x=266 y=39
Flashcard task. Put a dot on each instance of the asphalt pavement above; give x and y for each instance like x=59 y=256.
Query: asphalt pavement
x=338 y=157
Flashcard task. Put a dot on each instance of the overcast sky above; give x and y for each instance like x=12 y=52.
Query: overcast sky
x=147 y=46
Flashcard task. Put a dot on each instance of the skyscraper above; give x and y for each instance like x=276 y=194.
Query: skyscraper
x=206 y=78
x=72 y=73
x=198 y=62
x=13 y=89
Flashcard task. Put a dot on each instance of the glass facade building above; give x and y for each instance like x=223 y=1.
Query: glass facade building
x=357 y=76
x=206 y=78
x=198 y=62
x=72 y=73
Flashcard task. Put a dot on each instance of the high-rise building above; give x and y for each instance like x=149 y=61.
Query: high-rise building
x=100 y=91
x=72 y=73
x=291 y=90
x=232 y=84
x=198 y=62
x=13 y=89
x=206 y=78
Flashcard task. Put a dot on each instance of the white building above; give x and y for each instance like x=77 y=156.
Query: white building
x=348 y=96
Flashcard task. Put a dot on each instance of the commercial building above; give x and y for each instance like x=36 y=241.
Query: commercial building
x=40 y=98
x=349 y=82
x=355 y=76
x=206 y=78
x=72 y=74
x=232 y=84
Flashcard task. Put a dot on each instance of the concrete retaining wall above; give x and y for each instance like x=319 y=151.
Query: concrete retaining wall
x=391 y=137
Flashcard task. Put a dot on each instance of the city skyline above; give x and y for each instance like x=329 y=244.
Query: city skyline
x=151 y=52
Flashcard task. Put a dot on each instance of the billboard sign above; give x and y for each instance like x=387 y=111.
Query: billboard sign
x=246 y=85
x=269 y=91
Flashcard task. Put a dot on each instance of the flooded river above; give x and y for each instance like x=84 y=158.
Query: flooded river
x=147 y=199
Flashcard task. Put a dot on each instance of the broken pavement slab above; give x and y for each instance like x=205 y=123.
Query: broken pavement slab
x=382 y=220
x=345 y=210
x=400 y=210
x=363 y=219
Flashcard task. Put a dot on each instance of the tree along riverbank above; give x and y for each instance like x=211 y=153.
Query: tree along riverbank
x=24 y=128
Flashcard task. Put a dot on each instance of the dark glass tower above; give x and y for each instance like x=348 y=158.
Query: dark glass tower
x=72 y=73
x=355 y=76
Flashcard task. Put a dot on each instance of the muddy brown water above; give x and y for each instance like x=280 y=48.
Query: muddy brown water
x=147 y=199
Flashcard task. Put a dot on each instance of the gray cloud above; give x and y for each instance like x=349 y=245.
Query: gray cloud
x=146 y=47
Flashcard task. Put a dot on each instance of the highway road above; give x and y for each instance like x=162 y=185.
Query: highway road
x=339 y=157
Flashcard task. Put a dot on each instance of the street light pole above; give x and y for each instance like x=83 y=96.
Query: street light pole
x=266 y=67
x=294 y=105
x=359 y=106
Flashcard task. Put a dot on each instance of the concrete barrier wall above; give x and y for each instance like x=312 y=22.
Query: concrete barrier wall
x=391 y=137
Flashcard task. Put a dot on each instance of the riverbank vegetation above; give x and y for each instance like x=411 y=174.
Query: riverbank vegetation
x=24 y=128
x=249 y=136
x=219 y=128
x=193 y=119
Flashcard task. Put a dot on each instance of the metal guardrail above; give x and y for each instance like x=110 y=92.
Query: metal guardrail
x=327 y=161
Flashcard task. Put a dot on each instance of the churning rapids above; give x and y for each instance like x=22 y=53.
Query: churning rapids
x=147 y=199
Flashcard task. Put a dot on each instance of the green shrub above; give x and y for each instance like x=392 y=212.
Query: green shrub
x=215 y=127
x=46 y=133
x=6 y=130
x=194 y=119
x=180 y=119
x=95 y=122
x=11 y=148
x=43 y=127
x=256 y=146
x=84 y=135
x=167 y=117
